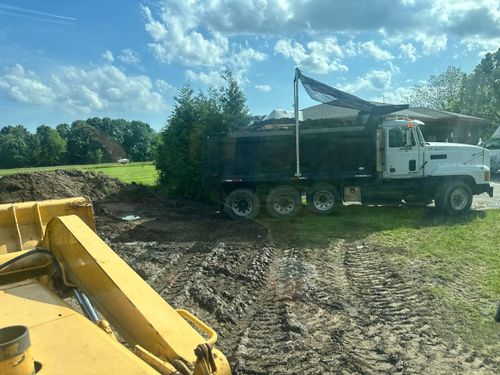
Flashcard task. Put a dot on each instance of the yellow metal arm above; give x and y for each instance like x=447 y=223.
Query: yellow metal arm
x=132 y=307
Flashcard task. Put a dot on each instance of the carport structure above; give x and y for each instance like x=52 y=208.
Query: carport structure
x=443 y=126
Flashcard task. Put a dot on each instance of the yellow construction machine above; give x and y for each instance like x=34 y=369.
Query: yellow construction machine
x=50 y=256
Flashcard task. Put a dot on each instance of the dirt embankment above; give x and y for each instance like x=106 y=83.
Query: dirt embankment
x=57 y=184
x=343 y=309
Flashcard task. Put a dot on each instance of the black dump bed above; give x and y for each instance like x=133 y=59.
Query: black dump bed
x=329 y=153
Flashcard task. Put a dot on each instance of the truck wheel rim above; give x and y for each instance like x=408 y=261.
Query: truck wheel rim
x=284 y=204
x=323 y=200
x=242 y=206
x=459 y=199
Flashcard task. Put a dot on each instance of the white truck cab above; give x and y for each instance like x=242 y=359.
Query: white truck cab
x=451 y=172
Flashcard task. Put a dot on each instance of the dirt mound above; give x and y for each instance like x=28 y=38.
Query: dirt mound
x=58 y=184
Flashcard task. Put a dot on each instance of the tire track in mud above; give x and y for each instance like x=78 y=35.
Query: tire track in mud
x=346 y=309
x=297 y=329
x=342 y=309
x=394 y=321
x=218 y=282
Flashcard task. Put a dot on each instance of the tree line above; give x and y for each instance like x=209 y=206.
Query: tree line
x=474 y=94
x=91 y=141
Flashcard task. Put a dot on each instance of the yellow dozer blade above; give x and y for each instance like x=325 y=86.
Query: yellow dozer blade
x=43 y=244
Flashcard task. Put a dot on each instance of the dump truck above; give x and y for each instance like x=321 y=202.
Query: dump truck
x=70 y=305
x=378 y=159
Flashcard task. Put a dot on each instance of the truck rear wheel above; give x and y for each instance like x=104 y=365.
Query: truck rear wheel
x=323 y=199
x=283 y=202
x=242 y=204
x=454 y=198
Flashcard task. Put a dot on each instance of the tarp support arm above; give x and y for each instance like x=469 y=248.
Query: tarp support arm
x=297 y=126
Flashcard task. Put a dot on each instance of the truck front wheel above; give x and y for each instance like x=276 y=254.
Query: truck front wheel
x=454 y=198
x=242 y=204
x=283 y=202
x=323 y=199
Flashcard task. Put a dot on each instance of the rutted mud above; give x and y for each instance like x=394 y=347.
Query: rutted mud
x=343 y=309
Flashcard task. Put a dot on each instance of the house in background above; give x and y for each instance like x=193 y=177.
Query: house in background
x=440 y=126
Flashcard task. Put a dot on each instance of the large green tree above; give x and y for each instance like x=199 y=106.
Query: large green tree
x=234 y=109
x=17 y=147
x=180 y=156
x=481 y=90
x=442 y=91
x=51 y=146
x=63 y=130
x=139 y=141
x=84 y=146
x=474 y=94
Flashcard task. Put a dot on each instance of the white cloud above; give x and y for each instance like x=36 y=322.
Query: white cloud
x=108 y=56
x=239 y=65
x=432 y=17
x=376 y=80
x=247 y=15
x=104 y=87
x=282 y=16
x=211 y=78
x=320 y=57
x=201 y=33
x=129 y=56
x=163 y=86
x=178 y=36
x=432 y=44
x=81 y=91
x=263 y=88
x=481 y=45
x=408 y=51
x=371 y=49
x=244 y=58
x=24 y=86
x=393 y=96
x=175 y=37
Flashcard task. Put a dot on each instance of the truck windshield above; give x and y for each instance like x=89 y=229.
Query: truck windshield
x=420 y=136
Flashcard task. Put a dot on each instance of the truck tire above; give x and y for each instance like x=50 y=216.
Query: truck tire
x=454 y=198
x=242 y=204
x=323 y=199
x=283 y=202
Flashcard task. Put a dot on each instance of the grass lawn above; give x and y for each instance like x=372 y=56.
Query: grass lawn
x=458 y=258
x=141 y=173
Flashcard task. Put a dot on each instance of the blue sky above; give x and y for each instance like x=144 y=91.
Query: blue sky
x=66 y=60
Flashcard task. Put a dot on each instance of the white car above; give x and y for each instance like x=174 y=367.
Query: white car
x=493 y=145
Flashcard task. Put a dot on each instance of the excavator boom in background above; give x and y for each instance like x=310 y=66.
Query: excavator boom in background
x=48 y=251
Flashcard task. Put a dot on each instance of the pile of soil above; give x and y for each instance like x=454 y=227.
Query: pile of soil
x=23 y=187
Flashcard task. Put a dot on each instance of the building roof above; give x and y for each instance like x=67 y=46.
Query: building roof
x=323 y=111
x=327 y=111
x=434 y=114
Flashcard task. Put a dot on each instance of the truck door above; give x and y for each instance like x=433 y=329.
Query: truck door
x=403 y=153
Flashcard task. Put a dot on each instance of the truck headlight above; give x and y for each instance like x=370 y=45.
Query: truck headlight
x=486 y=175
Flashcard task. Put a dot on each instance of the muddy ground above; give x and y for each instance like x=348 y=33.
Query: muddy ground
x=344 y=309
